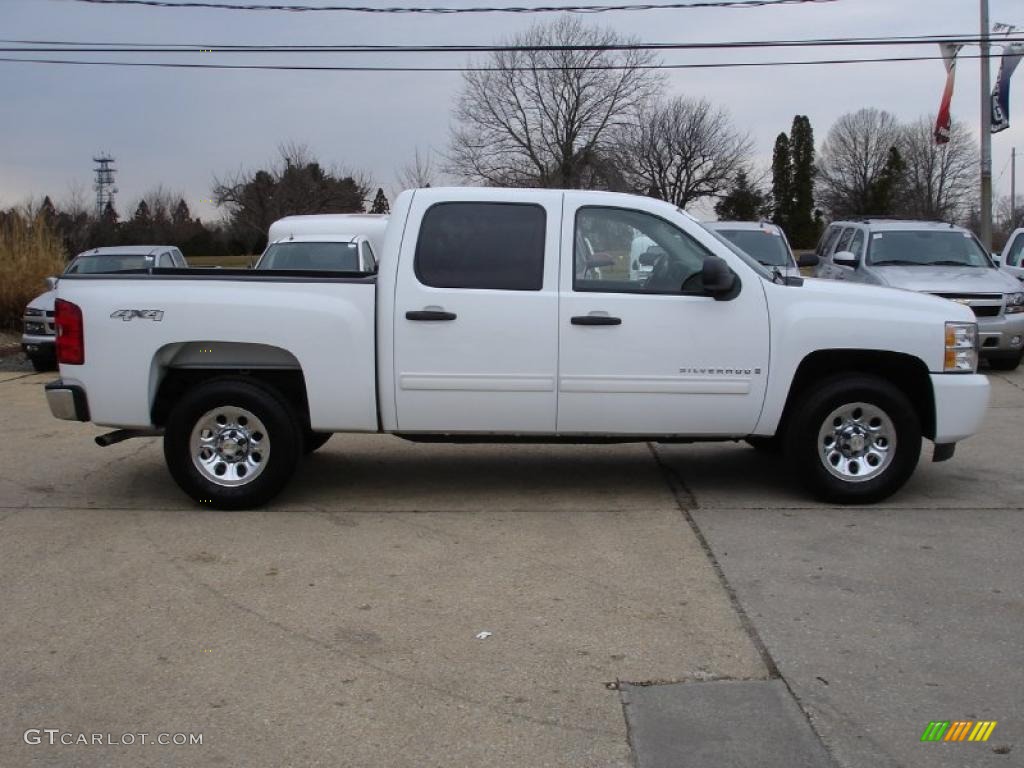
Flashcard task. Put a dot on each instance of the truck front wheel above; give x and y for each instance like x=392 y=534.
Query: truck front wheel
x=232 y=444
x=855 y=439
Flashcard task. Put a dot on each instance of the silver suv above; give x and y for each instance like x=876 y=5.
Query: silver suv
x=930 y=257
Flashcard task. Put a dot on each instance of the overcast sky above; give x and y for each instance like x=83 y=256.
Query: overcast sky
x=179 y=128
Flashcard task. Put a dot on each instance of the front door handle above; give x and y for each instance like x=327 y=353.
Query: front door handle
x=430 y=315
x=596 y=320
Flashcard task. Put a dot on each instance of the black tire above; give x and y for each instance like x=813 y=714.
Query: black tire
x=315 y=440
x=282 y=431
x=44 y=363
x=768 y=445
x=807 y=455
x=1005 y=363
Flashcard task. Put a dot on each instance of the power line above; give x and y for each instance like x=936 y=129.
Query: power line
x=329 y=68
x=449 y=10
x=42 y=46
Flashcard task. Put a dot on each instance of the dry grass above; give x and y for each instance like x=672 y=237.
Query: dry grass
x=29 y=252
x=221 y=261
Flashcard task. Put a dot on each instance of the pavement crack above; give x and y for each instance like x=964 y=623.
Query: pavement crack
x=686 y=501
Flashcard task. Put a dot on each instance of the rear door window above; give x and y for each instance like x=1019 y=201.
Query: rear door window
x=496 y=246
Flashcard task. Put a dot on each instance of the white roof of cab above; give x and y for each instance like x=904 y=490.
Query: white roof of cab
x=331 y=225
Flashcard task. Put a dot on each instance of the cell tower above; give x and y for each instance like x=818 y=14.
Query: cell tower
x=104 y=185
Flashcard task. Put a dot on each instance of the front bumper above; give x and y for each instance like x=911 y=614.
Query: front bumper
x=961 y=401
x=1003 y=334
x=67 y=401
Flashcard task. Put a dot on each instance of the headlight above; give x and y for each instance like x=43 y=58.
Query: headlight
x=33 y=312
x=1014 y=303
x=961 y=348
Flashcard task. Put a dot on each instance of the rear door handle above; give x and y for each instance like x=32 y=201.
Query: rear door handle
x=596 y=320
x=430 y=315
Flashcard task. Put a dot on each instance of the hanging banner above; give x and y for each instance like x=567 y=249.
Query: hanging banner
x=1012 y=55
x=944 y=122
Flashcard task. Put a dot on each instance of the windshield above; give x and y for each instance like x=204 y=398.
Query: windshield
x=923 y=248
x=339 y=257
x=90 y=265
x=764 y=245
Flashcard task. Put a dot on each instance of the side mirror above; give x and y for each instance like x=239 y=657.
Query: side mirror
x=717 y=278
x=51 y=283
x=997 y=259
x=846 y=259
x=648 y=259
x=808 y=260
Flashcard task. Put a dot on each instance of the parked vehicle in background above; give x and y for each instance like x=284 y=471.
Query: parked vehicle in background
x=320 y=253
x=38 y=331
x=932 y=257
x=1012 y=258
x=762 y=240
x=341 y=242
x=485 y=324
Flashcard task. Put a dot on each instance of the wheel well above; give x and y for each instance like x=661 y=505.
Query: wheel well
x=289 y=383
x=906 y=372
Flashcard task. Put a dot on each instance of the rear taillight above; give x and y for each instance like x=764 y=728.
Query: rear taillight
x=70 y=333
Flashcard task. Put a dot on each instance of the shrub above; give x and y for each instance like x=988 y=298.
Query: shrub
x=30 y=250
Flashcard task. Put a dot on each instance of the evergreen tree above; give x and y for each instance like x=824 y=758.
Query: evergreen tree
x=802 y=230
x=181 y=215
x=782 y=182
x=380 y=203
x=142 y=213
x=48 y=211
x=743 y=202
x=884 y=192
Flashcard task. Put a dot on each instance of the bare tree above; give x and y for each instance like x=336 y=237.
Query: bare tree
x=854 y=160
x=683 y=150
x=419 y=172
x=939 y=179
x=296 y=183
x=547 y=116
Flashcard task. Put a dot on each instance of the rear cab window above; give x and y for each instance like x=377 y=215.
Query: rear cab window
x=482 y=245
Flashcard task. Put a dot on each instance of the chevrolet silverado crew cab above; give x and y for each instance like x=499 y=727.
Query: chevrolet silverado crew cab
x=482 y=325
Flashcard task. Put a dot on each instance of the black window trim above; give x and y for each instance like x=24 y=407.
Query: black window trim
x=432 y=206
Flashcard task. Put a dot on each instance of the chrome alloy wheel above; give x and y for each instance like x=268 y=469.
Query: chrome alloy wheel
x=229 y=446
x=857 y=442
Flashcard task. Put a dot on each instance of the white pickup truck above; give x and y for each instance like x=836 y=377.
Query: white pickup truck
x=481 y=325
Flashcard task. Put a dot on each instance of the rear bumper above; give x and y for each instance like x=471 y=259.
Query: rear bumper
x=1001 y=335
x=960 y=405
x=67 y=401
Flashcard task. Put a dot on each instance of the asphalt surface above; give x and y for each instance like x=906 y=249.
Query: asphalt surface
x=339 y=626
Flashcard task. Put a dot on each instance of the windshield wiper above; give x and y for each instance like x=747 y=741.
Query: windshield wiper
x=948 y=263
x=896 y=263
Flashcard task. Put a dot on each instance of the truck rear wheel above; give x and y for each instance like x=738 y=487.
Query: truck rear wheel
x=855 y=439
x=232 y=444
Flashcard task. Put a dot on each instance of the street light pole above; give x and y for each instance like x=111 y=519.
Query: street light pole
x=986 y=132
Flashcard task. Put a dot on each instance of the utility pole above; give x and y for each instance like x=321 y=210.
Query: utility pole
x=1013 y=189
x=986 y=132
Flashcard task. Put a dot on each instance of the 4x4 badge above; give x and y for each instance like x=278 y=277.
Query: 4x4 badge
x=155 y=315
